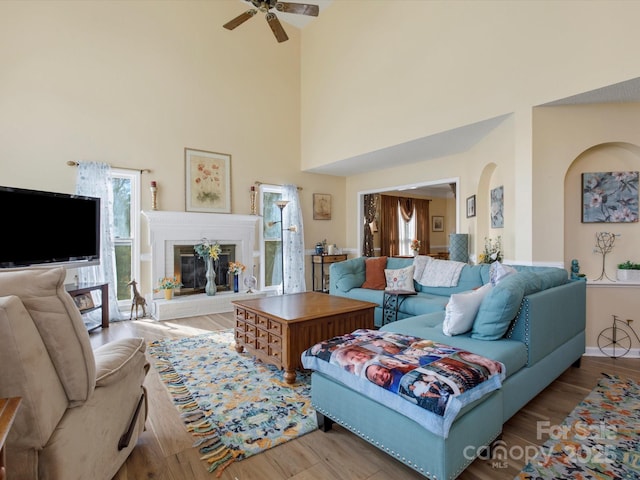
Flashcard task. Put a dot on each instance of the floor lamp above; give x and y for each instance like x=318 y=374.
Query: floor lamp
x=281 y=204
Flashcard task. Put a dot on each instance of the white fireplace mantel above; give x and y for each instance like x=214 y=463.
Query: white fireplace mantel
x=167 y=229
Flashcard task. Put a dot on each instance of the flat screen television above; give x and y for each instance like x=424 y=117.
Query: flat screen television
x=48 y=228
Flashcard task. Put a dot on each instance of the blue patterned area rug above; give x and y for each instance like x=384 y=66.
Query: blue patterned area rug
x=234 y=406
x=599 y=440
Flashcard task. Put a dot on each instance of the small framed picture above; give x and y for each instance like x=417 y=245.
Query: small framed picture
x=497 y=207
x=321 y=206
x=437 y=224
x=471 y=206
x=208 y=179
x=84 y=301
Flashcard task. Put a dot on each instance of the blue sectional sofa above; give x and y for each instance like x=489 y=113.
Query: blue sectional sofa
x=544 y=334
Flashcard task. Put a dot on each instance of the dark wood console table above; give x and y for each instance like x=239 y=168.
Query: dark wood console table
x=81 y=290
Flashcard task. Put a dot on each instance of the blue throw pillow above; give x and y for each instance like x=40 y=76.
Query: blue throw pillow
x=348 y=274
x=499 y=308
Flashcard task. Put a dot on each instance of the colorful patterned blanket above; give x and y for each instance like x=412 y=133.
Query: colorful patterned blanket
x=427 y=381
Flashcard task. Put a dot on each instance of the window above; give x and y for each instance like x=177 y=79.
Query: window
x=126 y=223
x=406 y=233
x=270 y=238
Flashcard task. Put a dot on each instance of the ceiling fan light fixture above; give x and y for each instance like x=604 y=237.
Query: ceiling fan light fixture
x=265 y=6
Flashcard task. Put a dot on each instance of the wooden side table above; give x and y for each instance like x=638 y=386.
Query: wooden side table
x=321 y=261
x=8 y=411
x=79 y=291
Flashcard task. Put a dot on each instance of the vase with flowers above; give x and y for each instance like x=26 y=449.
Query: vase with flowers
x=209 y=251
x=168 y=284
x=235 y=269
x=415 y=246
x=492 y=251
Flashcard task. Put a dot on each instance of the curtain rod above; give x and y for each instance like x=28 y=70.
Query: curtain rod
x=71 y=163
x=276 y=184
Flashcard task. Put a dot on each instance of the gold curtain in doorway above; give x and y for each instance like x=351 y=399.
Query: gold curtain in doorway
x=389 y=226
x=422 y=224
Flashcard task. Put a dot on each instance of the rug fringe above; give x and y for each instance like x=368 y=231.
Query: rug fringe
x=217 y=443
x=213 y=451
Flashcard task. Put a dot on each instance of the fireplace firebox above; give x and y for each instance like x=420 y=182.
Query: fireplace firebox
x=191 y=270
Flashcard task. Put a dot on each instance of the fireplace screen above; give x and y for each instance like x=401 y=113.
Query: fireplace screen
x=191 y=269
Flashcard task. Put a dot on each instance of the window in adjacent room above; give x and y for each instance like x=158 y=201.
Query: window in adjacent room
x=406 y=232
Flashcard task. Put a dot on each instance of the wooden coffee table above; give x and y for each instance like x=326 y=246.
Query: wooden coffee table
x=278 y=329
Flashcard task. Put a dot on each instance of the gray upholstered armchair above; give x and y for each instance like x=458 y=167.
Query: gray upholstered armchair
x=82 y=410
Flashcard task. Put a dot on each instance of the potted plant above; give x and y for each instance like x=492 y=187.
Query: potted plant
x=168 y=284
x=628 y=272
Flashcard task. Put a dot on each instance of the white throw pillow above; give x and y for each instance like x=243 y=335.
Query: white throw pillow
x=462 y=309
x=498 y=272
x=400 y=279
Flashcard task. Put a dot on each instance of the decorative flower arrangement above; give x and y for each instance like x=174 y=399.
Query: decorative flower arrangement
x=169 y=283
x=415 y=244
x=492 y=251
x=236 y=268
x=207 y=248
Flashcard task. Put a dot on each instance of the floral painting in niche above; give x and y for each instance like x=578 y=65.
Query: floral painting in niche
x=497 y=207
x=610 y=197
x=208 y=181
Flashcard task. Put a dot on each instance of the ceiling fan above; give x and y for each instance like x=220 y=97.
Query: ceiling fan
x=265 y=6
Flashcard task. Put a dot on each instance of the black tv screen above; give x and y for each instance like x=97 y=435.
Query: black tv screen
x=48 y=228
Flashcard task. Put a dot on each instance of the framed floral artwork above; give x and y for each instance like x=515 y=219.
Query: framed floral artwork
x=609 y=197
x=208 y=181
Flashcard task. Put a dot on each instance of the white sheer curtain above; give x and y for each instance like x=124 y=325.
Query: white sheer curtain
x=293 y=242
x=94 y=180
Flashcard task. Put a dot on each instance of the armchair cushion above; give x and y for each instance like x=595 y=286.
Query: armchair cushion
x=115 y=360
x=59 y=323
x=28 y=373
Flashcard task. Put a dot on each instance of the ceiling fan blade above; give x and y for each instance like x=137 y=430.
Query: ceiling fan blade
x=299 y=8
x=240 y=19
x=276 y=27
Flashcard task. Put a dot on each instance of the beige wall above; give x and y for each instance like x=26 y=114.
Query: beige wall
x=488 y=163
x=395 y=71
x=134 y=83
x=569 y=141
x=370 y=84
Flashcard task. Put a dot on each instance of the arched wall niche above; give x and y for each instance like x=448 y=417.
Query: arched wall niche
x=579 y=237
x=482 y=225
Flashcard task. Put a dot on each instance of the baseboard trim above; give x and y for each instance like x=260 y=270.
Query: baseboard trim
x=595 y=352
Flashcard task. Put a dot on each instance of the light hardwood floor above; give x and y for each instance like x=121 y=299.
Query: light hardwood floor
x=165 y=451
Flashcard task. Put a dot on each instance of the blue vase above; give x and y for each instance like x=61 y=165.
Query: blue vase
x=236 y=282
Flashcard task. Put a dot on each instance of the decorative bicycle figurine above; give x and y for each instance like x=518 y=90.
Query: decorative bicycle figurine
x=615 y=341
